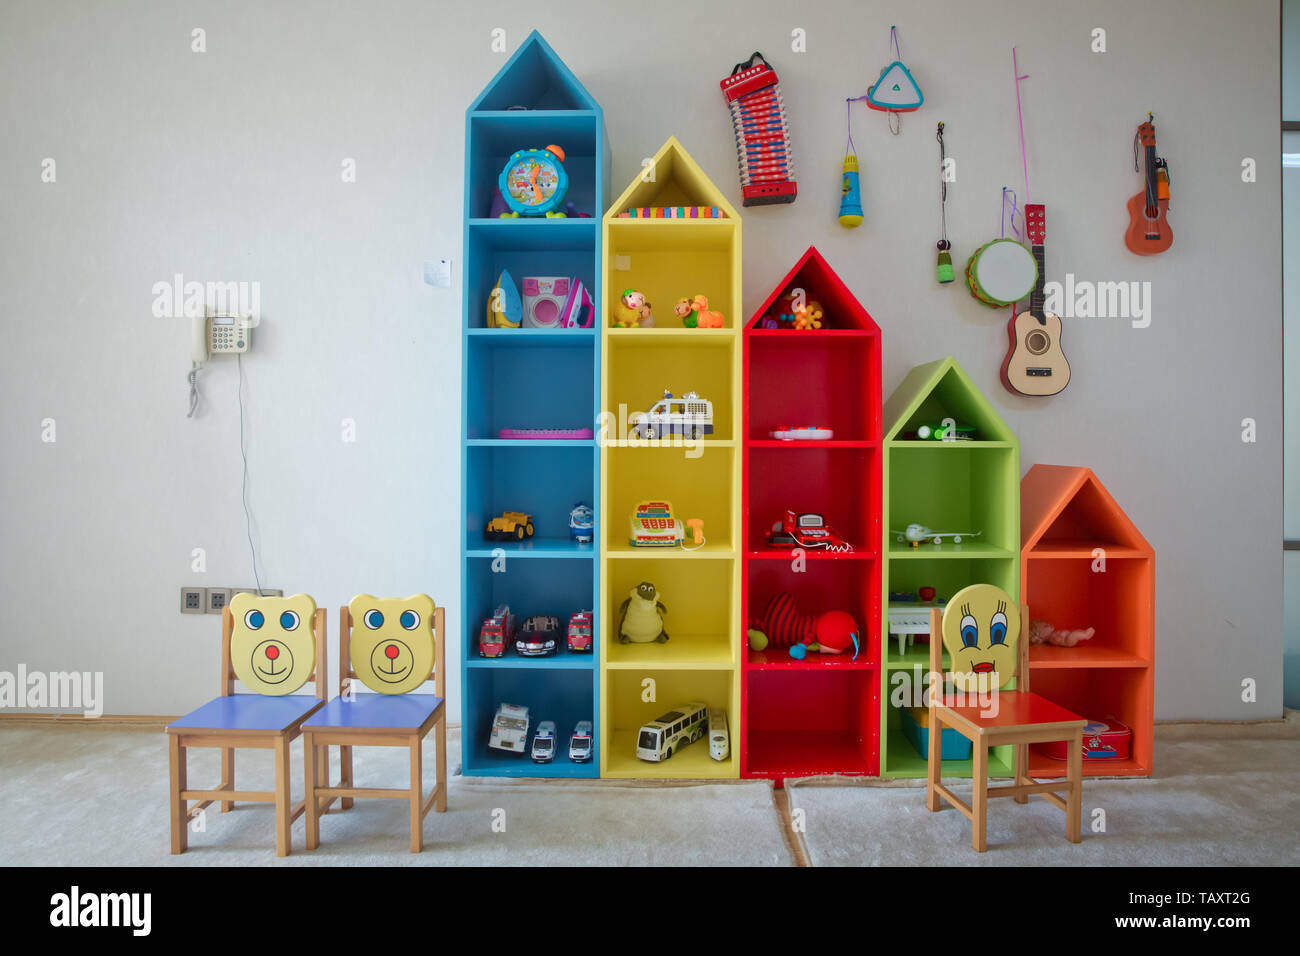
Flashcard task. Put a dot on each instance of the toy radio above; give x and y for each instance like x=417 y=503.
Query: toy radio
x=653 y=526
x=556 y=302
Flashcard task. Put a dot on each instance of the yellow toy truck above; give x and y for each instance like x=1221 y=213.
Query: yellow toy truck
x=511 y=524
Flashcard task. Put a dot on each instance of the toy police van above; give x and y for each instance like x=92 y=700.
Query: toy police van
x=687 y=415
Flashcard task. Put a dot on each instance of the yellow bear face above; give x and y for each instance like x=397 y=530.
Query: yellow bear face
x=392 y=641
x=980 y=628
x=273 y=645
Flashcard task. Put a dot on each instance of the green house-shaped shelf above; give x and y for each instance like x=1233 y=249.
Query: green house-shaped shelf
x=969 y=487
x=533 y=101
x=1085 y=564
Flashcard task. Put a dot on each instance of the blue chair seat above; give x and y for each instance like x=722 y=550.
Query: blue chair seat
x=375 y=712
x=248 y=712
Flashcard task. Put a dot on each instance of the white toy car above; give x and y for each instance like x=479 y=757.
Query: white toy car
x=719 y=737
x=580 y=742
x=544 y=742
x=687 y=415
x=510 y=728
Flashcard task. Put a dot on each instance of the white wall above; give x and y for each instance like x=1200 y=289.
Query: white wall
x=226 y=165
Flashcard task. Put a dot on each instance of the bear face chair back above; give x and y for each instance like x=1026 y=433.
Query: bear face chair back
x=272 y=645
x=985 y=633
x=392 y=646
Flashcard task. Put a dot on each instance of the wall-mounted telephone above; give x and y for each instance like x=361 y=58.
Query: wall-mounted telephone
x=222 y=333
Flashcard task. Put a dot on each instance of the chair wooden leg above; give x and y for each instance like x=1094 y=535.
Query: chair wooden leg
x=282 y=832
x=440 y=804
x=979 y=801
x=227 y=776
x=417 y=795
x=177 y=783
x=1022 y=771
x=933 y=764
x=345 y=775
x=1074 y=802
x=311 y=778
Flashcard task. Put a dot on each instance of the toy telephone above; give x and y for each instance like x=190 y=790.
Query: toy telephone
x=653 y=526
x=223 y=333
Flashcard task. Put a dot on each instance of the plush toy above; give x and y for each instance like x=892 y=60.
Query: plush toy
x=783 y=625
x=632 y=310
x=641 y=616
x=1040 y=632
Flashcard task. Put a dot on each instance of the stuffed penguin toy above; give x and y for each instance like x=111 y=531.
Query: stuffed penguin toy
x=641 y=616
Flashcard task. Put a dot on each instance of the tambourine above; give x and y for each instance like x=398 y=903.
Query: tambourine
x=1001 y=272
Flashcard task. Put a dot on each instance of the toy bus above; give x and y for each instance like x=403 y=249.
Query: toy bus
x=510 y=729
x=666 y=734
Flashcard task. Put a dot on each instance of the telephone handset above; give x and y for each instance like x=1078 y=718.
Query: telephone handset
x=222 y=333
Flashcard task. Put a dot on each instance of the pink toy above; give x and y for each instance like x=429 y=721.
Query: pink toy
x=1040 y=632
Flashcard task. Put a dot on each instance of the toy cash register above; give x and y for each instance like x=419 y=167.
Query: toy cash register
x=653 y=526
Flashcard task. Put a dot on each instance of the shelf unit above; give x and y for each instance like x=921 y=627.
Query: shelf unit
x=667 y=259
x=529 y=378
x=954 y=486
x=822 y=714
x=1083 y=563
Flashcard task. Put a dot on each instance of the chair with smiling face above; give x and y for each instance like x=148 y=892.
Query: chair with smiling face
x=986 y=636
x=393 y=646
x=273 y=646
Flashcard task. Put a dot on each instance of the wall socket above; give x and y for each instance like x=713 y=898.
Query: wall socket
x=194 y=600
x=218 y=598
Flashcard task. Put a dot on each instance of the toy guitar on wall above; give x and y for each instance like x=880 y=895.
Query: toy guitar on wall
x=1035 y=364
x=1148 y=231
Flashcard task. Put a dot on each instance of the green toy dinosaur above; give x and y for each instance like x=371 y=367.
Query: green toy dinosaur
x=641 y=616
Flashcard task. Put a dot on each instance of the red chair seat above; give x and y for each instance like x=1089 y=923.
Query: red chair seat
x=1014 y=709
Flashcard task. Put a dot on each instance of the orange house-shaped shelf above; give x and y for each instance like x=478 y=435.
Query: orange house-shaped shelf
x=1083 y=563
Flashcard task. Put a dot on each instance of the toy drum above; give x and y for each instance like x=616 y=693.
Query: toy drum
x=1001 y=272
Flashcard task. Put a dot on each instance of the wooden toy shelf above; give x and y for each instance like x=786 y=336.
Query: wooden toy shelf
x=821 y=714
x=1085 y=564
x=529 y=378
x=948 y=486
x=668 y=259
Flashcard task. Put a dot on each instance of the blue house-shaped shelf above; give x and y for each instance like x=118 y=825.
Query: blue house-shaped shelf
x=529 y=378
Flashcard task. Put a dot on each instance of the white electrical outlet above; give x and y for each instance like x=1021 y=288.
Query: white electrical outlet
x=194 y=600
x=218 y=598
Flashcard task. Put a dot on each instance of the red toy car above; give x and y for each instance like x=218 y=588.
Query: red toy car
x=495 y=632
x=580 y=631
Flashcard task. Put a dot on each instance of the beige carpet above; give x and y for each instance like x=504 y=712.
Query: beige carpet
x=97 y=796
x=1214 y=802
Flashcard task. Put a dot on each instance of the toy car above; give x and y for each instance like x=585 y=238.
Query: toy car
x=806 y=530
x=544 y=742
x=719 y=738
x=539 y=637
x=510 y=728
x=496 y=632
x=579 y=633
x=580 y=523
x=580 y=742
x=687 y=415
x=511 y=524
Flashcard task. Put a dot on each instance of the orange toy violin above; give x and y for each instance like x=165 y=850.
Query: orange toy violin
x=1148 y=231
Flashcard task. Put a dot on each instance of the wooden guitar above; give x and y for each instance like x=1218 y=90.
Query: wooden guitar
x=1148 y=231
x=1035 y=364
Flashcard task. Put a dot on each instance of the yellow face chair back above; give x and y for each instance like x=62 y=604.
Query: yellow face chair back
x=981 y=627
x=273 y=642
x=392 y=646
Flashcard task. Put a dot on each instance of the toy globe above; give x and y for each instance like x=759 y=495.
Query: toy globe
x=534 y=183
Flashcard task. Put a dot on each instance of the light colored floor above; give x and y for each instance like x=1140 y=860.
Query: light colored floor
x=96 y=795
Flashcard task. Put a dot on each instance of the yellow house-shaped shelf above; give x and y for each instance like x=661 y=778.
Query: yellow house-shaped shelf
x=668 y=259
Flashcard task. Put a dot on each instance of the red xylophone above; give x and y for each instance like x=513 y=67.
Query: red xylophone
x=753 y=95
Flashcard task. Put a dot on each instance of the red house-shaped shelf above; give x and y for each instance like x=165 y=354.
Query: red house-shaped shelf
x=820 y=714
x=1083 y=563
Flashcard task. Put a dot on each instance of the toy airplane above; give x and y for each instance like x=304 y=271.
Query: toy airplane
x=914 y=534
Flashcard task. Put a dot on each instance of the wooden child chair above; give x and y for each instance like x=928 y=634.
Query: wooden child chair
x=393 y=646
x=273 y=646
x=986 y=637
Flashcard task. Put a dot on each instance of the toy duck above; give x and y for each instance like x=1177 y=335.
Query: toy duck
x=632 y=310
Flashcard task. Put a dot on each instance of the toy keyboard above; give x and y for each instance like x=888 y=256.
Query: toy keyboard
x=545 y=434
